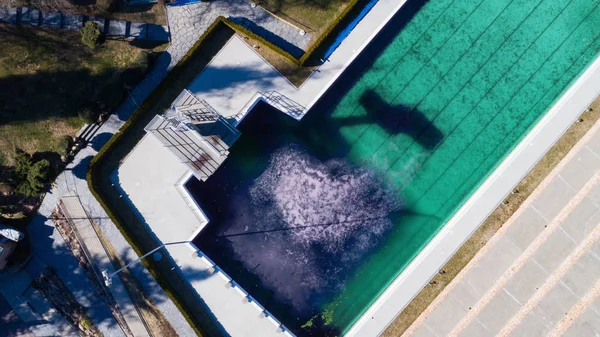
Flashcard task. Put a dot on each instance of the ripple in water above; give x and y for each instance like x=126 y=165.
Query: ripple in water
x=316 y=222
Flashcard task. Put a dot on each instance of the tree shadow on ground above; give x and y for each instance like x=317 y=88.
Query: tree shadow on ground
x=99 y=140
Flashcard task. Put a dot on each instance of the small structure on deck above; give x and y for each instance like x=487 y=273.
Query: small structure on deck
x=195 y=133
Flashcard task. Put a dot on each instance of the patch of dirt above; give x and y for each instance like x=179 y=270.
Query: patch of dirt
x=65 y=230
x=55 y=291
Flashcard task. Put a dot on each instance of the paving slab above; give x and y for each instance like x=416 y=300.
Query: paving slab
x=51 y=19
x=579 y=170
x=448 y=314
x=587 y=324
x=73 y=22
x=594 y=195
x=594 y=147
x=424 y=331
x=525 y=282
x=581 y=221
x=526 y=228
x=475 y=329
x=555 y=305
x=30 y=16
x=583 y=275
x=532 y=325
x=554 y=197
x=500 y=257
x=499 y=311
x=117 y=28
x=553 y=252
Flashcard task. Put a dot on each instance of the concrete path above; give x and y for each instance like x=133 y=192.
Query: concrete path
x=540 y=273
x=88 y=238
x=126 y=29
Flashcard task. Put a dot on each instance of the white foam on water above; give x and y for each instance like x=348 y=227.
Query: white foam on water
x=316 y=221
x=324 y=203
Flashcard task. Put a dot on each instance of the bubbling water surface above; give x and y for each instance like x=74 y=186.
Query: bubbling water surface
x=312 y=223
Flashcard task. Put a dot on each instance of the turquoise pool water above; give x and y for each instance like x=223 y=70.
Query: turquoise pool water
x=431 y=111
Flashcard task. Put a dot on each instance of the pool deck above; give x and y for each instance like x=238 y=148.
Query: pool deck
x=233 y=82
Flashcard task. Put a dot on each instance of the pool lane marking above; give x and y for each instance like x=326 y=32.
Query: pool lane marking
x=499 y=144
x=502 y=109
x=496 y=50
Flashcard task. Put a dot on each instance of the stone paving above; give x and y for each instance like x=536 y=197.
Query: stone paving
x=32 y=16
x=540 y=273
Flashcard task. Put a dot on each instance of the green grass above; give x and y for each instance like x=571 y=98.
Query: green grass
x=314 y=16
x=47 y=77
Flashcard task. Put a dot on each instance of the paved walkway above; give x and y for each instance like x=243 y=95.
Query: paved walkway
x=35 y=17
x=540 y=273
x=87 y=237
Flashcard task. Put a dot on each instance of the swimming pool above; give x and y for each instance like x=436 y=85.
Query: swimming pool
x=316 y=218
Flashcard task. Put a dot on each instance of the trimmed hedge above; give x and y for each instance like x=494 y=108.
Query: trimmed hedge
x=113 y=142
x=336 y=26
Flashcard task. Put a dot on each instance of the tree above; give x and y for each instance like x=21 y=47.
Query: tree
x=90 y=34
x=30 y=177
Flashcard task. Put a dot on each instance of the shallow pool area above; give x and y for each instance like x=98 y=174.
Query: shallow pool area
x=315 y=218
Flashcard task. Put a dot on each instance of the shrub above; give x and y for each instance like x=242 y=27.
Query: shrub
x=64 y=145
x=87 y=115
x=90 y=34
x=30 y=177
